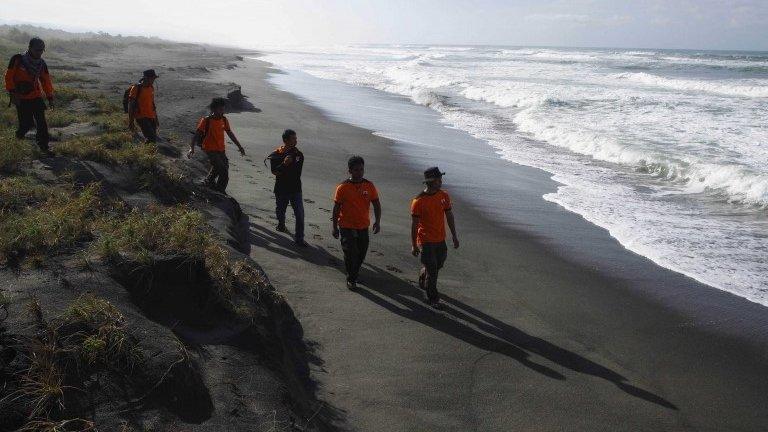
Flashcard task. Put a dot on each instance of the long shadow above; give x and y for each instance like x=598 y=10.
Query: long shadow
x=265 y=237
x=458 y=319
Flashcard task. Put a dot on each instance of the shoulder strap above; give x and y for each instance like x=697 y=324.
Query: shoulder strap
x=15 y=58
x=207 y=126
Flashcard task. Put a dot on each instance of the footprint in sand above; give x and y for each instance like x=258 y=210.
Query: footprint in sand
x=316 y=226
x=324 y=209
x=309 y=201
x=394 y=269
x=317 y=236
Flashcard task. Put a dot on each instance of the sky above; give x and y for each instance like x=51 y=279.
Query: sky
x=695 y=24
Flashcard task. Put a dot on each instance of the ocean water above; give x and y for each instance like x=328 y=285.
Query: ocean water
x=667 y=150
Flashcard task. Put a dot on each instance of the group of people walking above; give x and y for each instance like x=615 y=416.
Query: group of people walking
x=28 y=80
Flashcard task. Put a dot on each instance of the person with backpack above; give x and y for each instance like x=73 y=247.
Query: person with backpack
x=429 y=211
x=26 y=80
x=286 y=163
x=139 y=102
x=210 y=135
x=351 y=217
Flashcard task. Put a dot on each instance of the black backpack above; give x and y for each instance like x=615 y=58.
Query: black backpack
x=127 y=100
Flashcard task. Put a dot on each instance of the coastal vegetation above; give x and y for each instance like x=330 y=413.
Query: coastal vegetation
x=58 y=209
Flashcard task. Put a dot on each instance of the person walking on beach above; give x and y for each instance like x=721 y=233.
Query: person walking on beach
x=26 y=80
x=210 y=134
x=286 y=163
x=141 y=106
x=351 y=217
x=429 y=211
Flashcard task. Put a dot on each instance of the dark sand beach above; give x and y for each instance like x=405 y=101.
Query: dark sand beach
x=531 y=338
x=534 y=337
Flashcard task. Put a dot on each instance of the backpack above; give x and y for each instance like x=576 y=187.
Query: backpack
x=127 y=98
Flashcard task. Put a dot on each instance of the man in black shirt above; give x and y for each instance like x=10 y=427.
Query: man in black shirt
x=286 y=163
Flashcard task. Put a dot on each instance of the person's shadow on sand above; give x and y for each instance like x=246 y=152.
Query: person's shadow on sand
x=404 y=299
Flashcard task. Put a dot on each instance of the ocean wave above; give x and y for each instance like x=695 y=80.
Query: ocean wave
x=738 y=183
x=741 y=88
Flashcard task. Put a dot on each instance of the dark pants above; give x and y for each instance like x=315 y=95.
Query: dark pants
x=297 y=203
x=31 y=113
x=433 y=257
x=218 y=174
x=354 y=243
x=148 y=129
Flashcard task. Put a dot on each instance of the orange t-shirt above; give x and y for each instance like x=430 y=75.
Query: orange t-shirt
x=355 y=200
x=430 y=209
x=145 y=106
x=214 y=139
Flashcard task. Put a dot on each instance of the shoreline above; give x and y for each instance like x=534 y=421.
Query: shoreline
x=601 y=345
x=561 y=230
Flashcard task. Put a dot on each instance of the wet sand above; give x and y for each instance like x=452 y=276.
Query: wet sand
x=531 y=339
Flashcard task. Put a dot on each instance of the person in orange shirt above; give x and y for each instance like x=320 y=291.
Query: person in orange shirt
x=141 y=106
x=210 y=134
x=429 y=211
x=26 y=80
x=351 y=217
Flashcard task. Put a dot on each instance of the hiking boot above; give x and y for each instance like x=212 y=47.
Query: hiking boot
x=281 y=228
x=351 y=286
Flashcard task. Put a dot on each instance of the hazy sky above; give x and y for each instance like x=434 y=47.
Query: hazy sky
x=725 y=24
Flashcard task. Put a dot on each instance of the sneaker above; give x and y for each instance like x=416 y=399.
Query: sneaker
x=301 y=243
x=351 y=286
x=281 y=228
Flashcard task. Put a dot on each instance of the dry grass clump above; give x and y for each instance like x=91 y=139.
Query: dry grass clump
x=144 y=233
x=20 y=192
x=113 y=148
x=62 y=117
x=59 y=221
x=89 y=337
x=102 y=339
x=12 y=152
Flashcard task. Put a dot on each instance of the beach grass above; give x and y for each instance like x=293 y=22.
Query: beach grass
x=60 y=221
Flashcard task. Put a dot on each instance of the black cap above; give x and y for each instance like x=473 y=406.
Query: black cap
x=150 y=73
x=433 y=174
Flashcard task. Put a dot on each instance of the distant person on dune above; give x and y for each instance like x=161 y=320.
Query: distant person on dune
x=429 y=211
x=141 y=106
x=210 y=135
x=27 y=79
x=351 y=217
x=286 y=163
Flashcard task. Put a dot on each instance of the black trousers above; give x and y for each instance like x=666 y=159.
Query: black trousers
x=31 y=113
x=148 y=129
x=354 y=243
x=218 y=174
x=433 y=257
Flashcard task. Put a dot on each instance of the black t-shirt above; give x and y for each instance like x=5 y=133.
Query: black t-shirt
x=287 y=177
